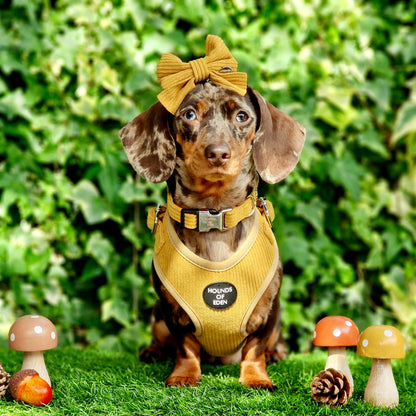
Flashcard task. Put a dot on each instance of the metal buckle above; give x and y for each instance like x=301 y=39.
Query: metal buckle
x=207 y=219
x=157 y=212
x=266 y=210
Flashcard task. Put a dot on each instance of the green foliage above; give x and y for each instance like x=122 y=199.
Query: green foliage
x=73 y=239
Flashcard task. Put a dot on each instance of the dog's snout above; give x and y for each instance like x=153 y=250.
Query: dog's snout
x=218 y=154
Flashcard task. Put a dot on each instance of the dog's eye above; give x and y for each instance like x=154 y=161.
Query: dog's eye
x=189 y=115
x=241 y=116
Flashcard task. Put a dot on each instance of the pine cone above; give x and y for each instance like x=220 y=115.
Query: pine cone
x=4 y=381
x=332 y=387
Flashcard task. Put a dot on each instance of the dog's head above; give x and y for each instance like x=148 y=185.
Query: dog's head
x=214 y=133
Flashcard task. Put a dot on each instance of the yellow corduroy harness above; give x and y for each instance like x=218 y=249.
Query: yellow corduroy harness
x=219 y=297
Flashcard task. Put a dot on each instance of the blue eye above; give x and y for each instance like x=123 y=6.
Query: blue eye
x=241 y=116
x=189 y=115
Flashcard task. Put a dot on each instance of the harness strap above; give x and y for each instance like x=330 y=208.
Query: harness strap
x=229 y=218
x=192 y=218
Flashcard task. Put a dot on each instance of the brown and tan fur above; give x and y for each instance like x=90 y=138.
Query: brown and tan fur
x=209 y=153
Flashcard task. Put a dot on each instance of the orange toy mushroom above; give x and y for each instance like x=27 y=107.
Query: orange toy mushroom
x=381 y=343
x=336 y=333
x=33 y=334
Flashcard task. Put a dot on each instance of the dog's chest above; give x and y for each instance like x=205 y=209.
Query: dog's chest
x=218 y=296
x=216 y=245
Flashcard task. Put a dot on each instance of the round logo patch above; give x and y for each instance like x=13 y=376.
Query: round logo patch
x=220 y=295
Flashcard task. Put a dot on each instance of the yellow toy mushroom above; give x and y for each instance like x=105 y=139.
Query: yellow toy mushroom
x=381 y=343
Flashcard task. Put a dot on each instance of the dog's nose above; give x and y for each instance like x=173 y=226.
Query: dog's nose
x=218 y=154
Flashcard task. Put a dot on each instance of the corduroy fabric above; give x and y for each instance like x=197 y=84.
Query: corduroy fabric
x=186 y=275
x=178 y=78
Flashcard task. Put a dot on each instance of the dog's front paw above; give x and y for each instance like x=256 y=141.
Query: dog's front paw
x=182 y=381
x=258 y=383
x=254 y=374
x=265 y=384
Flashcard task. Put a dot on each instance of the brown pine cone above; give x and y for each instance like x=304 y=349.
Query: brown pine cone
x=332 y=387
x=4 y=381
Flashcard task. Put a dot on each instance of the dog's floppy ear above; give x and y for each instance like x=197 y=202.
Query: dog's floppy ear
x=278 y=141
x=149 y=145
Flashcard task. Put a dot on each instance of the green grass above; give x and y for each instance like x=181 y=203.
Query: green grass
x=91 y=382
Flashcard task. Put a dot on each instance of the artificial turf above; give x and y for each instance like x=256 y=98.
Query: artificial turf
x=93 y=382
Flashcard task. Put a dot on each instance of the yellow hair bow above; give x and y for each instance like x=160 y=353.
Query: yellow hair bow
x=178 y=78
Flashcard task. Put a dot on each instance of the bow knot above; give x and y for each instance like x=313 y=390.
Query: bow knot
x=200 y=69
x=178 y=78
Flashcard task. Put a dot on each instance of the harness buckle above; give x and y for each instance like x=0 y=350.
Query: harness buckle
x=207 y=219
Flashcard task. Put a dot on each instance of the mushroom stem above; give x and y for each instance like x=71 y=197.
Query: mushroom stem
x=381 y=388
x=35 y=361
x=337 y=359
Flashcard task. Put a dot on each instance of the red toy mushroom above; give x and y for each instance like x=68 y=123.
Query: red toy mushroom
x=336 y=333
x=33 y=334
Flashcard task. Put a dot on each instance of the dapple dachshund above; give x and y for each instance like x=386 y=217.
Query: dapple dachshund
x=210 y=153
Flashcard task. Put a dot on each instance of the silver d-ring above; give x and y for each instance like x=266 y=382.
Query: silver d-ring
x=254 y=198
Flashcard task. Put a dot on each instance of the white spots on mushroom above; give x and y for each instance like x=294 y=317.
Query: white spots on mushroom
x=32 y=333
x=336 y=331
x=38 y=329
x=387 y=333
x=314 y=334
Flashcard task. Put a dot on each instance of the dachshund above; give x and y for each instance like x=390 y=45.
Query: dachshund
x=211 y=153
